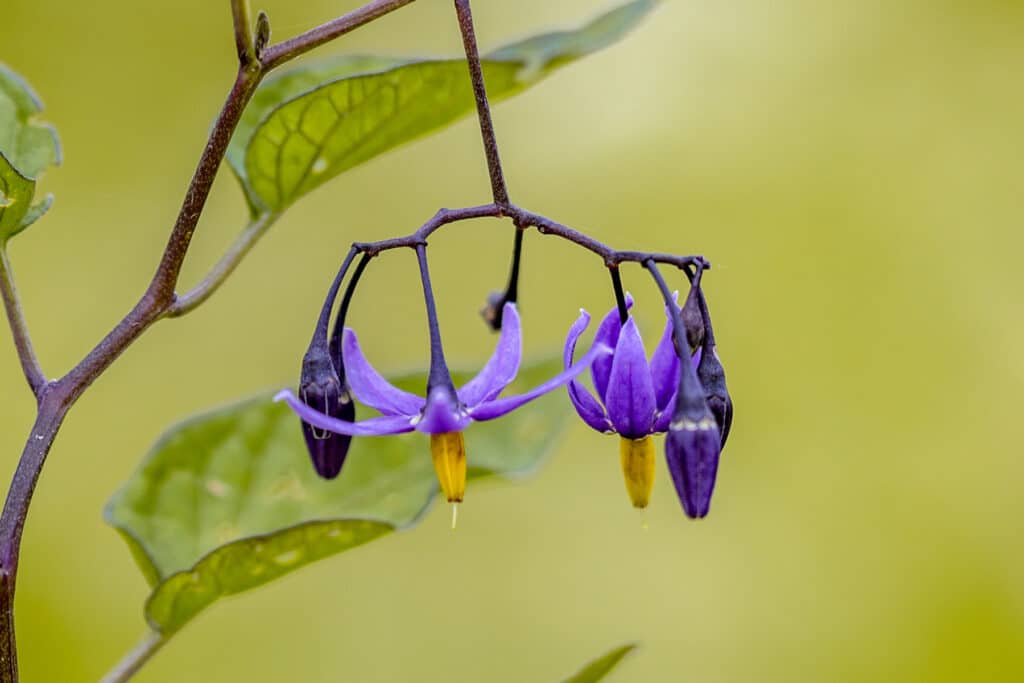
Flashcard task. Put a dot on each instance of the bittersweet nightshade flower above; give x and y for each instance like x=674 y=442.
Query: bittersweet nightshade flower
x=443 y=413
x=635 y=399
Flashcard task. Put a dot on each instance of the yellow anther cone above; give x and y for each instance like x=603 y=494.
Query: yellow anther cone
x=637 y=456
x=449 y=454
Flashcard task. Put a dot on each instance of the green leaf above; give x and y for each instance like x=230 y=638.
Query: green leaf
x=307 y=126
x=27 y=148
x=228 y=501
x=16 y=192
x=602 y=666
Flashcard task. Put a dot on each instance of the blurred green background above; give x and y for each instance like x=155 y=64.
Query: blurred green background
x=853 y=170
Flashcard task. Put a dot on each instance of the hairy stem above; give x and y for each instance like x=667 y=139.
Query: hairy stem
x=19 y=328
x=499 y=191
x=134 y=660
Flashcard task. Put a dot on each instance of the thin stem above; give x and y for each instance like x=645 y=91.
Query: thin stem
x=512 y=291
x=241 y=16
x=691 y=404
x=620 y=295
x=133 y=661
x=19 y=328
x=243 y=244
x=324 y=321
x=483 y=110
x=339 y=322
x=525 y=219
x=439 y=373
x=276 y=55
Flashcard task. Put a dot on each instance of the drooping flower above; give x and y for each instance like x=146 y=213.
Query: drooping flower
x=635 y=399
x=445 y=412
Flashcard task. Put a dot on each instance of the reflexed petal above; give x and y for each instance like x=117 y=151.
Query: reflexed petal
x=588 y=408
x=377 y=426
x=501 y=406
x=630 y=399
x=692 y=450
x=608 y=334
x=370 y=387
x=442 y=414
x=503 y=365
x=586 y=405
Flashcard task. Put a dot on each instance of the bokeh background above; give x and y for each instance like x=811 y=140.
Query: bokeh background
x=854 y=170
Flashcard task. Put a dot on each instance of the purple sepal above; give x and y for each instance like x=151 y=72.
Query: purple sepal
x=692 y=450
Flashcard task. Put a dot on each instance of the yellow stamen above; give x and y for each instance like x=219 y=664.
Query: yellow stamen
x=637 y=458
x=449 y=454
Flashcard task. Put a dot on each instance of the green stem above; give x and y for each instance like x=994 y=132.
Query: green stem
x=19 y=328
x=243 y=244
x=134 y=660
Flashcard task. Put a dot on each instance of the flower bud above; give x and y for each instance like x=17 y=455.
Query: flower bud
x=321 y=388
x=637 y=456
x=492 y=310
x=692 y=448
x=693 y=320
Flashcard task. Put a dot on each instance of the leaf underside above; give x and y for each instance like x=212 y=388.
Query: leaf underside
x=228 y=501
x=308 y=125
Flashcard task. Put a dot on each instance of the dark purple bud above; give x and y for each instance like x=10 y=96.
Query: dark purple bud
x=693 y=321
x=321 y=389
x=491 y=312
x=712 y=377
x=692 y=449
x=692 y=445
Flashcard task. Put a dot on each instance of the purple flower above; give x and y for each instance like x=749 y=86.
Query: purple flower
x=445 y=412
x=634 y=398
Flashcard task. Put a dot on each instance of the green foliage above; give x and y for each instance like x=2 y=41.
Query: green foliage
x=602 y=666
x=27 y=148
x=309 y=125
x=228 y=501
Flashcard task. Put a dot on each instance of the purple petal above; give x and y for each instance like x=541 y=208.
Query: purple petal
x=370 y=387
x=665 y=369
x=630 y=400
x=607 y=334
x=663 y=418
x=501 y=369
x=501 y=406
x=442 y=414
x=692 y=450
x=586 y=405
x=377 y=426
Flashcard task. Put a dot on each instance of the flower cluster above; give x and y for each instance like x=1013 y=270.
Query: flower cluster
x=679 y=392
